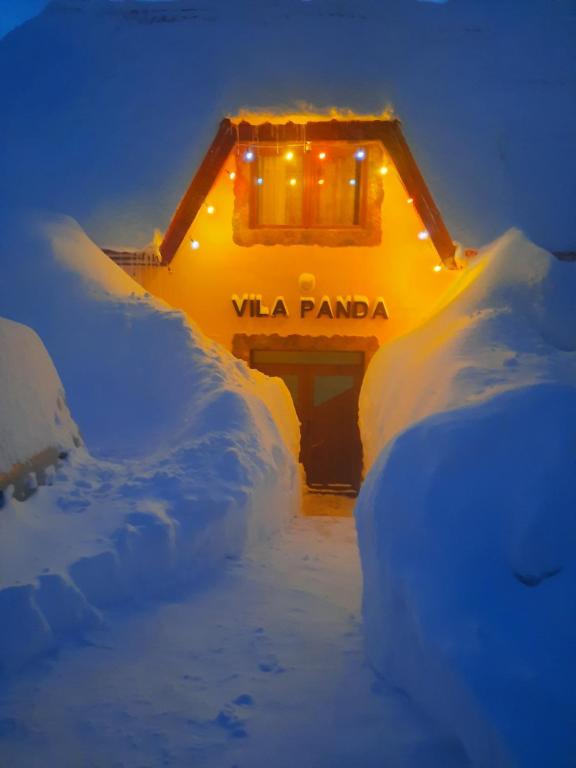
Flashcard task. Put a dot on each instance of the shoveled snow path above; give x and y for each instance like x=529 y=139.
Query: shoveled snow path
x=260 y=667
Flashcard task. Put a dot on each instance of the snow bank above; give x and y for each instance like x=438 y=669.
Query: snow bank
x=110 y=107
x=466 y=520
x=508 y=321
x=191 y=452
x=34 y=417
x=138 y=375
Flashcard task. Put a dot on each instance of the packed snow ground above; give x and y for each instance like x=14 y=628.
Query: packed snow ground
x=260 y=666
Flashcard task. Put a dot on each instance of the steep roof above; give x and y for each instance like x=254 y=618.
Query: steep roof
x=388 y=132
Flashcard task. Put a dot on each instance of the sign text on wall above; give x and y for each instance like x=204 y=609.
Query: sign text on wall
x=353 y=307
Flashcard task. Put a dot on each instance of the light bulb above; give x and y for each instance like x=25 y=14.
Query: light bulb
x=360 y=154
x=352 y=182
x=249 y=156
x=259 y=181
x=437 y=268
x=231 y=175
x=322 y=155
x=320 y=181
x=289 y=155
x=194 y=244
x=383 y=170
x=410 y=200
x=423 y=235
x=210 y=209
x=292 y=182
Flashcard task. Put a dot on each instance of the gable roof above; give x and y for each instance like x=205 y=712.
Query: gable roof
x=388 y=132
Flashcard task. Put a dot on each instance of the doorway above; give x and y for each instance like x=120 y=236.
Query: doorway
x=325 y=386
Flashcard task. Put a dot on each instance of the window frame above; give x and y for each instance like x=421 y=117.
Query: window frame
x=247 y=231
x=311 y=165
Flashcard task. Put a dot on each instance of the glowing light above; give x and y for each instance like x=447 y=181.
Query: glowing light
x=320 y=181
x=352 y=182
x=321 y=155
x=231 y=175
x=437 y=268
x=292 y=182
x=289 y=156
x=210 y=209
x=360 y=154
x=260 y=181
x=410 y=200
x=194 y=244
x=249 y=156
x=383 y=170
x=423 y=235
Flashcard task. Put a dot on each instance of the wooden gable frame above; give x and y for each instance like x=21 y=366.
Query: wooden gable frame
x=388 y=132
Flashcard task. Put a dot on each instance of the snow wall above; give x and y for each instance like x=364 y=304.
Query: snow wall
x=467 y=518
x=190 y=455
x=110 y=107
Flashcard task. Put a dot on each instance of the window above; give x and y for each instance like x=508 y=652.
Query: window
x=326 y=193
x=278 y=198
x=321 y=187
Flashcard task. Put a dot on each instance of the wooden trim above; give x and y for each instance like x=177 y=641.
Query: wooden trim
x=247 y=231
x=388 y=132
x=243 y=344
x=417 y=189
x=199 y=187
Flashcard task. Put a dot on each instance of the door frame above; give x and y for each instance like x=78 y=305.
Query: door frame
x=243 y=345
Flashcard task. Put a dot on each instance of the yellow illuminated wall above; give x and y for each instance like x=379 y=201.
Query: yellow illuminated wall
x=202 y=280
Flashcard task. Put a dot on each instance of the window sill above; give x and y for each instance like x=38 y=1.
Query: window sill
x=333 y=238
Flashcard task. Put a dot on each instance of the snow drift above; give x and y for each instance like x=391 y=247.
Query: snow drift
x=191 y=454
x=466 y=521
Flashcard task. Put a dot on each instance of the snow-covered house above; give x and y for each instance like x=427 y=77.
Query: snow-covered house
x=302 y=246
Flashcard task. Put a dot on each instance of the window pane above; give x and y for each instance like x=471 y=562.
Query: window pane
x=328 y=387
x=279 y=189
x=337 y=186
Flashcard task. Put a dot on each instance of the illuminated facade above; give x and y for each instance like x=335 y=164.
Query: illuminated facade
x=302 y=247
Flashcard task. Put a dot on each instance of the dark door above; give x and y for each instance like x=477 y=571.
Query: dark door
x=325 y=387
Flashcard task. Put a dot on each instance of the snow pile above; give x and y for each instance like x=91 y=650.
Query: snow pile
x=507 y=322
x=191 y=452
x=466 y=521
x=34 y=416
x=110 y=107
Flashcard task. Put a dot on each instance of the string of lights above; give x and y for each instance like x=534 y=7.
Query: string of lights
x=290 y=151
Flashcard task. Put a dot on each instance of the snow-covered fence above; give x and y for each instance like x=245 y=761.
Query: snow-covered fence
x=26 y=476
x=36 y=429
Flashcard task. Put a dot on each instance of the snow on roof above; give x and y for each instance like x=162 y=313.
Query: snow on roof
x=110 y=107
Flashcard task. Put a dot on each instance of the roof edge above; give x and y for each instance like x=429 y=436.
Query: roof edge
x=200 y=186
x=387 y=131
